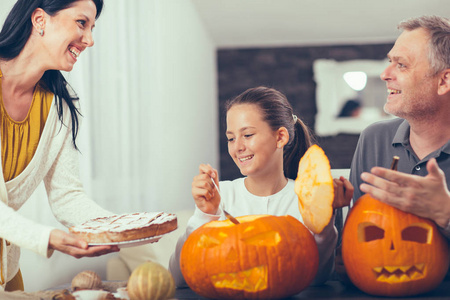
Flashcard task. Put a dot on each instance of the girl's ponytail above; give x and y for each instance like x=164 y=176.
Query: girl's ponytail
x=294 y=151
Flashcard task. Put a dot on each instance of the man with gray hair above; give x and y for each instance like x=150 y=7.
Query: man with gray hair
x=418 y=85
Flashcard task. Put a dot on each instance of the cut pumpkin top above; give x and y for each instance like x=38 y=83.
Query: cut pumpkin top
x=315 y=190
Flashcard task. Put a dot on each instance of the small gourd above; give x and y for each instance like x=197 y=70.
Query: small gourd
x=150 y=280
x=87 y=280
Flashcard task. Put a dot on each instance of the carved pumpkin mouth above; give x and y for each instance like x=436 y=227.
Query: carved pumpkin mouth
x=394 y=274
x=251 y=280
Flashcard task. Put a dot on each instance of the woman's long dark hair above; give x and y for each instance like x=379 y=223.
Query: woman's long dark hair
x=277 y=112
x=14 y=35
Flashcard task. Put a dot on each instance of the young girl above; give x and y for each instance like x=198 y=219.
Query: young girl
x=266 y=141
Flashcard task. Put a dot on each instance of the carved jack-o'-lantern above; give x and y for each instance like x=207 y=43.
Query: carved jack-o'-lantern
x=262 y=257
x=389 y=252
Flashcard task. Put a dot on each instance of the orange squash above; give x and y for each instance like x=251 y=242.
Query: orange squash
x=315 y=190
x=389 y=252
x=150 y=280
x=262 y=257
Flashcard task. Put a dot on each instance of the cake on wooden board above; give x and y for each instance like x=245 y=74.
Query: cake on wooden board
x=125 y=227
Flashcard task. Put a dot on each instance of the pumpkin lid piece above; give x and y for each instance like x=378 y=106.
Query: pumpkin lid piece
x=314 y=188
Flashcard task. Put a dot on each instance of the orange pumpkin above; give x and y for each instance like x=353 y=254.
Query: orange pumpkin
x=262 y=257
x=389 y=252
x=315 y=190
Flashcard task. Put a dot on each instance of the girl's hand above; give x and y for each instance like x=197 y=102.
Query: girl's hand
x=70 y=244
x=343 y=192
x=204 y=192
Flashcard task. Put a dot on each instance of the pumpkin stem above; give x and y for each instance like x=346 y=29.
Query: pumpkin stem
x=395 y=163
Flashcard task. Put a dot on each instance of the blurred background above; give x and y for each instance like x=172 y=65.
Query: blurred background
x=152 y=91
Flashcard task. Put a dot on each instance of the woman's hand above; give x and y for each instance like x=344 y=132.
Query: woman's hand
x=70 y=244
x=205 y=194
x=343 y=192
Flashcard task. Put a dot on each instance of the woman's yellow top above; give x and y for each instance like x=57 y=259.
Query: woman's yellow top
x=20 y=138
x=19 y=143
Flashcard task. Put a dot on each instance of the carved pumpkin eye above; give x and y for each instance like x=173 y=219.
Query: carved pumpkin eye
x=268 y=238
x=209 y=241
x=418 y=232
x=368 y=231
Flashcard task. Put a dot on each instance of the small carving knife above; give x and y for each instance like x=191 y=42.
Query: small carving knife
x=230 y=217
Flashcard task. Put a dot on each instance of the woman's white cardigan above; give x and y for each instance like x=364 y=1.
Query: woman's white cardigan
x=56 y=163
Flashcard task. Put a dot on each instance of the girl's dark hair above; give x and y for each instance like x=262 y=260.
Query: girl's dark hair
x=14 y=35
x=277 y=112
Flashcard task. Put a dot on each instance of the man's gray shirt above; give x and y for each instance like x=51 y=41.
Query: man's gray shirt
x=381 y=141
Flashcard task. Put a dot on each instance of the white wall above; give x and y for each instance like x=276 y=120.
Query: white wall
x=185 y=115
x=167 y=80
x=178 y=83
x=5 y=7
x=187 y=106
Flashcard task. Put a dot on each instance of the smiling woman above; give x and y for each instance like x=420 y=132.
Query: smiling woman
x=163 y=46
x=67 y=33
x=39 y=124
